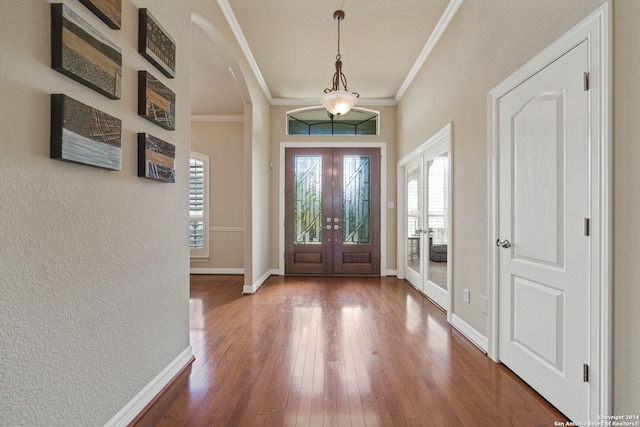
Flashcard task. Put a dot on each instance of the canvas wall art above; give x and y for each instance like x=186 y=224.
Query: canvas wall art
x=156 y=158
x=155 y=44
x=156 y=102
x=83 y=134
x=79 y=51
x=109 y=11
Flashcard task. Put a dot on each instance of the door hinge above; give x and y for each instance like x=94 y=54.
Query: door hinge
x=585 y=78
x=585 y=373
x=587 y=227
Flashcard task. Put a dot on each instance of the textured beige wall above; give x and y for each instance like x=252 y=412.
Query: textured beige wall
x=261 y=173
x=223 y=142
x=485 y=43
x=94 y=283
x=387 y=134
x=626 y=205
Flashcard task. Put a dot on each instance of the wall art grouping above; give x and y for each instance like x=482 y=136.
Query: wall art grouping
x=83 y=134
x=156 y=158
x=82 y=53
x=156 y=102
x=155 y=44
x=109 y=11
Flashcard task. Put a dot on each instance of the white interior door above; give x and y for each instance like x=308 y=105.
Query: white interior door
x=544 y=258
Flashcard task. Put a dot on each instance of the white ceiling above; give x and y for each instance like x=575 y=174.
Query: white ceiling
x=292 y=44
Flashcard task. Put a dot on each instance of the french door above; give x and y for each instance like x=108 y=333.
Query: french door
x=332 y=211
x=427 y=224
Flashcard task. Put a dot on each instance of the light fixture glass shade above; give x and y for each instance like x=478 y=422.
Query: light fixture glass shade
x=339 y=101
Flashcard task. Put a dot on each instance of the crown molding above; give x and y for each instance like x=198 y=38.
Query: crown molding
x=218 y=118
x=440 y=28
x=442 y=25
x=242 y=41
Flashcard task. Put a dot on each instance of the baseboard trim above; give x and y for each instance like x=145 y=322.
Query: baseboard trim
x=216 y=271
x=472 y=334
x=392 y=273
x=143 y=400
x=252 y=289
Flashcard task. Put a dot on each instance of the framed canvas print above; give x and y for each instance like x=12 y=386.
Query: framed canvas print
x=155 y=44
x=82 y=53
x=156 y=158
x=156 y=102
x=83 y=134
x=109 y=11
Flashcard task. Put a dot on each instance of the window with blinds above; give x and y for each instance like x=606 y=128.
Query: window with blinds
x=413 y=207
x=198 y=219
x=439 y=198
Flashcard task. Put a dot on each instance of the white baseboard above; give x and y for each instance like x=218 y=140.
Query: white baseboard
x=468 y=331
x=147 y=394
x=392 y=272
x=216 y=271
x=252 y=289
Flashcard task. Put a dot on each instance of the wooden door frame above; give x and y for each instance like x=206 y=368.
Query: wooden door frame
x=383 y=194
x=596 y=29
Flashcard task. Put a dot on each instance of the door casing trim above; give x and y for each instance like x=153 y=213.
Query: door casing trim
x=383 y=193
x=596 y=29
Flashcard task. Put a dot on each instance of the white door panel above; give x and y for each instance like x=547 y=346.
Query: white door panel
x=537 y=191
x=544 y=198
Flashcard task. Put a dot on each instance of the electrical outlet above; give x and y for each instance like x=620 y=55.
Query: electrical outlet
x=467 y=296
x=483 y=304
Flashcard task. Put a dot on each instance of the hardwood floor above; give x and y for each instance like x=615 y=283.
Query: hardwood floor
x=336 y=351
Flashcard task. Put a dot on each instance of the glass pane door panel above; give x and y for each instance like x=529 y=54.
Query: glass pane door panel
x=438 y=218
x=356 y=199
x=307 y=199
x=413 y=220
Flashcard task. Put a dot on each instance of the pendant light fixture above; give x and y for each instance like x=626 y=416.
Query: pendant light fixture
x=338 y=101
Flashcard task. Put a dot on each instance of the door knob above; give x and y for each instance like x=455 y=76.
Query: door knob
x=504 y=244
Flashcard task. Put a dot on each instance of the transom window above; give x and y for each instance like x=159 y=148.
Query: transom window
x=317 y=121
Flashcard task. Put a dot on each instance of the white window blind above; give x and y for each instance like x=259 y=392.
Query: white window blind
x=413 y=207
x=198 y=205
x=439 y=197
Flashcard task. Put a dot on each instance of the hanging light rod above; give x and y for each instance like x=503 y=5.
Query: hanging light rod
x=338 y=101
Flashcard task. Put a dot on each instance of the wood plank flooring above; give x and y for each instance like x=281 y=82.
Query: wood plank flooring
x=328 y=351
